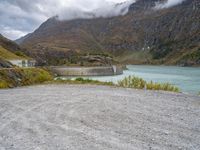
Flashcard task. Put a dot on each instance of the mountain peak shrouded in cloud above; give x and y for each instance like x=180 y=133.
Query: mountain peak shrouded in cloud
x=100 y=8
x=20 y=17
x=168 y=3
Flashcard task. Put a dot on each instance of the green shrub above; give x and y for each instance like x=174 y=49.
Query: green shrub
x=139 y=83
x=89 y=81
x=162 y=86
x=35 y=76
x=83 y=81
x=21 y=54
x=79 y=79
x=23 y=76
x=3 y=84
x=132 y=82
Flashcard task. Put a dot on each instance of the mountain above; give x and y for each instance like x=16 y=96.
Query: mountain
x=6 y=54
x=20 y=40
x=12 y=46
x=9 y=50
x=143 y=35
x=9 y=45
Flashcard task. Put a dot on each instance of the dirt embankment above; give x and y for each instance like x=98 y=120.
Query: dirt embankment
x=14 y=77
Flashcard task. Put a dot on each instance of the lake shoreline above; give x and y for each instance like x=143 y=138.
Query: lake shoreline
x=186 y=78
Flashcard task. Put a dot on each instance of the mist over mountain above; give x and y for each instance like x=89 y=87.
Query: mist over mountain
x=167 y=4
x=170 y=35
x=28 y=15
x=102 y=9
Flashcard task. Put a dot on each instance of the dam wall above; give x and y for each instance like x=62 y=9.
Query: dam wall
x=87 y=71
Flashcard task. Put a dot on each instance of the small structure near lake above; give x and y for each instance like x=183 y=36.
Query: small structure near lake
x=16 y=58
x=87 y=71
x=23 y=62
x=90 y=65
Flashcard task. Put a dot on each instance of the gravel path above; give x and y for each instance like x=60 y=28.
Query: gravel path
x=86 y=117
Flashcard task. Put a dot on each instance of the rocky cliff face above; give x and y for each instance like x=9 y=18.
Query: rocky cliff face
x=170 y=35
x=5 y=64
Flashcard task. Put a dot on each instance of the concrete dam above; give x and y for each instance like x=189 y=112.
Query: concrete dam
x=87 y=71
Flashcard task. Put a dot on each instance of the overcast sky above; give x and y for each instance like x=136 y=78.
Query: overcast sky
x=19 y=17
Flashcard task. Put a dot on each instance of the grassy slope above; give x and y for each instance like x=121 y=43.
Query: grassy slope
x=23 y=76
x=138 y=57
x=5 y=54
x=187 y=57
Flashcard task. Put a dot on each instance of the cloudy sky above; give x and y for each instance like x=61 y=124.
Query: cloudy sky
x=19 y=17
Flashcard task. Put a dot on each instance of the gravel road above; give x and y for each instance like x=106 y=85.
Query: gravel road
x=88 y=117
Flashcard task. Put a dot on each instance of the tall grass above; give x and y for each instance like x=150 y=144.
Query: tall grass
x=128 y=82
x=23 y=76
x=20 y=77
x=139 y=83
x=3 y=84
x=35 y=76
x=83 y=81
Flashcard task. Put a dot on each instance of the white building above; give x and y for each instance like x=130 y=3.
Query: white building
x=23 y=62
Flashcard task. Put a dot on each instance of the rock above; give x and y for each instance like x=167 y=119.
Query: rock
x=5 y=64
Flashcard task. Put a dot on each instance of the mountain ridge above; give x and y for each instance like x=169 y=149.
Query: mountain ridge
x=165 y=36
x=9 y=50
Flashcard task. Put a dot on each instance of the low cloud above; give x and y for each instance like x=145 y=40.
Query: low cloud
x=19 y=17
x=98 y=9
x=168 y=3
x=12 y=33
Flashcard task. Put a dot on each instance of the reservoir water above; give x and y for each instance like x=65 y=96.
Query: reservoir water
x=186 y=78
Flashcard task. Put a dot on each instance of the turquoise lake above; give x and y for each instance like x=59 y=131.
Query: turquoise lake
x=186 y=78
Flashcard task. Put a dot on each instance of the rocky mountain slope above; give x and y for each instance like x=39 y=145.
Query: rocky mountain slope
x=11 y=46
x=5 y=64
x=143 y=35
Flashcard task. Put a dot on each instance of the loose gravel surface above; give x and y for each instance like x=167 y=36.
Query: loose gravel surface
x=87 y=117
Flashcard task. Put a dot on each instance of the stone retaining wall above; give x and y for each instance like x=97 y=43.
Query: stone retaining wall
x=87 y=71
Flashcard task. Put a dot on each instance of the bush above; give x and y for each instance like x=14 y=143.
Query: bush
x=139 y=83
x=132 y=82
x=79 y=79
x=83 y=81
x=35 y=76
x=3 y=84
x=20 y=54
x=86 y=81
x=162 y=86
x=23 y=76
